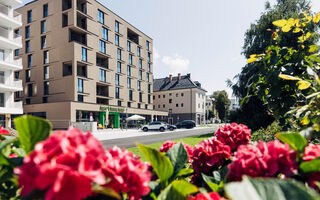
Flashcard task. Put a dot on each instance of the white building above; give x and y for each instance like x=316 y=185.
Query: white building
x=10 y=42
x=234 y=104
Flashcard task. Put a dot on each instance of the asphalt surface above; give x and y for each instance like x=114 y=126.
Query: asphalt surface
x=127 y=139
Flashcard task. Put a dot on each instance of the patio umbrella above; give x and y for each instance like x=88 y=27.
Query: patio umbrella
x=135 y=118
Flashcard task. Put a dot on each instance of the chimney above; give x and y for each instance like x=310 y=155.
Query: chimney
x=189 y=75
x=170 y=77
x=179 y=77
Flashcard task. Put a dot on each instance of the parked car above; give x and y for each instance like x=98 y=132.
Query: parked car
x=186 y=124
x=171 y=127
x=161 y=126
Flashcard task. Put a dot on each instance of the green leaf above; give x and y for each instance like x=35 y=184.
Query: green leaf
x=6 y=142
x=214 y=183
x=178 y=190
x=105 y=191
x=310 y=166
x=185 y=172
x=313 y=48
x=295 y=140
x=178 y=157
x=160 y=163
x=32 y=130
x=269 y=189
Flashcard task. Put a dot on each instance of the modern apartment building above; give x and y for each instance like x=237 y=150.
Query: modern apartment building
x=183 y=98
x=83 y=62
x=10 y=40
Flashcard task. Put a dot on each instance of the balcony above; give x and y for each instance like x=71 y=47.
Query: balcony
x=103 y=92
x=82 y=6
x=15 y=64
x=78 y=37
x=9 y=18
x=82 y=70
x=12 y=3
x=12 y=108
x=9 y=40
x=12 y=86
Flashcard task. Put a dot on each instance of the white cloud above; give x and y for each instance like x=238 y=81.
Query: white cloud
x=176 y=63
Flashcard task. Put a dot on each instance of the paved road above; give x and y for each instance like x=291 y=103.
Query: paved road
x=127 y=139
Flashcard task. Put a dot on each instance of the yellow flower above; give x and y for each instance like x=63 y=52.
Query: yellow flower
x=305 y=121
x=280 y=23
x=316 y=18
x=302 y=85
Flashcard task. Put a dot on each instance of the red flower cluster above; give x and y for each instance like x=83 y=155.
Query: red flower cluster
x=208 y=154
x=311 y=152
x=234 y=135
x=263 y=160
x=207 y=196
x=67 y=163
x=169 y=144
x=3 y=131
x=313 y=179
x=127 y=173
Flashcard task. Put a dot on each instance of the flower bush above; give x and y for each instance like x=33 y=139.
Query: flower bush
x=169 y=144
x=206 y=196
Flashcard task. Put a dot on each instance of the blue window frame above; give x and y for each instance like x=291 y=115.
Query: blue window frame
x=117 y=40
x=27 y=46
x=117 y=26
x=43 y=26
x=129 y=82
x=130 y=95
x=27 y=31
x=128 y=70
x=100 y=16
x=30 y=60
x=140 y=63
x=45 y=10
x=80 y=85
x=149 y=67
x=147 y=78
x=104 y=33
x=103 y=75
x=119 y=67
x=117 y=92
x=84 y=54
x=117 y=79
x=119 y=54
x=17 y=52
x=139 y=86
x=43 y=42
x=138 y=51
x=129 y=46
x=80 y=98
x=140 y=75
x=148 y=45
x=130 y=59
x=29 y=19
x=102 y=46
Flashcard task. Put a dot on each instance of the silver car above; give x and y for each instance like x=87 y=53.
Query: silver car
x=161 y=126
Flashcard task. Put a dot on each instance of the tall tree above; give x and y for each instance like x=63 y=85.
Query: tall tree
x=273 y=100
x=222 y=103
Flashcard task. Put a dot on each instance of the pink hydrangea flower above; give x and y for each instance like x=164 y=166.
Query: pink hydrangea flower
x=3 y=131
x=169 y=144
x=263 y=160
x=234 y=135
x=207 y=196
x=208 y=154
x=311 y=152
x=127 y=173
x=64 y=166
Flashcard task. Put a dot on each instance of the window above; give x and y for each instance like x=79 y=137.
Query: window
x=149 y=88
x=130 y=59
x=182 y=94
x=103 y=75
x=130 y=95
x=64 y=20
x=29 y=14
x=43 y=42
x=46 y=88
x=45 y=57
x=119 y=103
x=198 y=105
x=30 y=90
x=102 y=46
x=28 y=75
x=117 y=40
x=146 y=106
x=2 y=78
x=159 y=106
x=30 y=60
x=117 y=92
x=129 y=82
x=27 y=32
x=84 y=54
x=104 y=33
x=16 y=52
x=149 y=57
x=66 y=4
x=177 y=94
x=129 y=104
x=119 y=54
x=170 y=100
x=148 y=45
x=164 y=96
x=149 y=98
x=16 y=75
x=128 y=70
x=140 y=63
x=119 y=67
x=80 y=98
x=117 y=26
x=164 y=106
x=170 y=94
x=147 y=77
x=1 y=54
x=67 y=69
x=16 y=32
x=149 y=67
x=100 y=16
x=177 y=105
x=45 y=10
x=139 y=86
x=80 y=85
x=46 y=72
x=140 y=96
x=28 y=46
x=138 y=51
x=2 y=102
x=159 y=96
x=140 y=75
x=129 y=46
x=117 y=79
x=139 y=105
x=28 y=101
x=43 y=26
x=44 y=99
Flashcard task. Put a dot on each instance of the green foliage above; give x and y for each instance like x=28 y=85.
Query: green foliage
x=295 y=140
x=310 y=166
x=178 y=157
x=269 y=189
x=178 y=190
x=31 y=131
x=266 y=134
x=222 y=103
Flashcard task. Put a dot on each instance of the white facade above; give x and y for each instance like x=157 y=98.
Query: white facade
x=9 y=42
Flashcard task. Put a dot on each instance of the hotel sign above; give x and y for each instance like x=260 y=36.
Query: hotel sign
x=111 y=109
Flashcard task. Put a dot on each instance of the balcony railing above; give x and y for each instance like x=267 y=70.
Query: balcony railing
x=6 y=11
x=6 y=34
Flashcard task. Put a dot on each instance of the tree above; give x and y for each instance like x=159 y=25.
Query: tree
x=273 y=98
x=222 y=103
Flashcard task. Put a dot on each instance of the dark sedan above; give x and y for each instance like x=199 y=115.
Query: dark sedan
x=186 y=124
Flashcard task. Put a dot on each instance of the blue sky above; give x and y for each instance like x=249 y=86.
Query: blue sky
x=202 y=37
